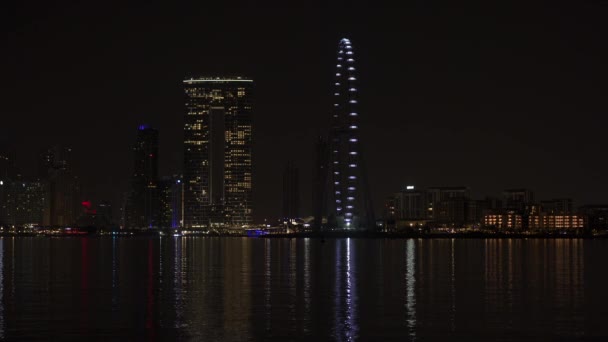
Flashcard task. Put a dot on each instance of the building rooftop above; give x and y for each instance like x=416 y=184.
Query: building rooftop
x=216 y=79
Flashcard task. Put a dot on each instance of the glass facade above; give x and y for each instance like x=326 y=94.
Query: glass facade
x=142 y=207
x=217 y=153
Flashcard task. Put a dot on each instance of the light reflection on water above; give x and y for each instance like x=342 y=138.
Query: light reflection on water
x=278 y=289
x=410 y=288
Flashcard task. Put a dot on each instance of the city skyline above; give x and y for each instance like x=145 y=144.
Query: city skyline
x=432 y=107
x=343 y=170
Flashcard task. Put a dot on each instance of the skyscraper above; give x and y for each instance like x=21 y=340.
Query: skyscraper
x=320 y=185
x=22 y=203
x=142 y=203
x=351 y=206
x=8 y=169
x=217 y=152
x=62 y=187
x=291 y=192
x=170 y=202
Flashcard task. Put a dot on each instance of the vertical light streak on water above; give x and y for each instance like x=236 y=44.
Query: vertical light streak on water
x=292 y=279
x=338 y=293
x=1 y=288
x=453 y=288
x=267 y=283
x=177 y=280
x=12 y=276
x=510 y=273
x=150 y=298
x=307 y=294
x=114 y=275
x=160 y=262
x=410 y=288
x=351 y=304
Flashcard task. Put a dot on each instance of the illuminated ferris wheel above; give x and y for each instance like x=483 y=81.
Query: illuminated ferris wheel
x=349 y=196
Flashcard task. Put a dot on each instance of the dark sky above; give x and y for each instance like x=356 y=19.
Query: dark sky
x=490 y=96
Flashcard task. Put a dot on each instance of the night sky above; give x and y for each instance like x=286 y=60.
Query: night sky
x=485 y=96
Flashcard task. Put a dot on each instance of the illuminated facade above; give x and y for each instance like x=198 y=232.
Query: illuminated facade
x=351 y=205
x=508 y=220
x=548 y=222
x=217 y=153
x=512 y=220
x=22 y=203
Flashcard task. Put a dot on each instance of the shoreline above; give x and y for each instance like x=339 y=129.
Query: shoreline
x=323 y=235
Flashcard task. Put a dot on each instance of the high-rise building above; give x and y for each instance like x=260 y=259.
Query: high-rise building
x=217 y=152
x=320 y=186
x=351 y=206
x=517 y=199
x=291 y=192
x=104 y=215
x=557 y=206
x=410 y=204
x=8 y=169
x=447 y=206
x=142 y=205
x=596 y=216
x=22 y=203
x=170 y=202
x=62 y=187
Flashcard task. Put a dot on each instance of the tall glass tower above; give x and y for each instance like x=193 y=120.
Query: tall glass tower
x=217 y=153
x=142 y=206
x=351 y=205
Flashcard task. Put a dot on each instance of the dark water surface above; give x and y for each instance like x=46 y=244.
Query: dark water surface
x=236 y=289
